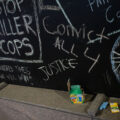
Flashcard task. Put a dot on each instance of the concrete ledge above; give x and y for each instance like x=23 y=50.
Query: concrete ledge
x=11 y=110
x=94 y=107
x=3 y=85
x=54 y=100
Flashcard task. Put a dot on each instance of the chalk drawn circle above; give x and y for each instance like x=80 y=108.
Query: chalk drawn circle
x=115 y=58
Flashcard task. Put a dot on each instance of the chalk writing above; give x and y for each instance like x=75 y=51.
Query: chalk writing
x=115 y=58
x=72 y=51
x=15 y=73
x=47 y=7
x=17 y=77
x=97 y=3
x=64 y=13
x=57 y=67
x=22 y=69
x=59 y=43
x=82 y=33
x=14 y=47
x=110 y=18
x=10 y=77
x=23 y=73
x=25 y=78
x=15 y=5
x=99 y=38
x=6 y=68
x=15 y=24
x=38 y=29
x=102 y=36
x=93 y=59
x=62 y=29
x=40 y=3
x=113 y=32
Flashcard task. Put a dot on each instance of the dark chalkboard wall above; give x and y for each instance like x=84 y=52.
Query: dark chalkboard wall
x=43 y=43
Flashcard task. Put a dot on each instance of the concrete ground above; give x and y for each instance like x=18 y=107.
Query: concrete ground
x=27 y=103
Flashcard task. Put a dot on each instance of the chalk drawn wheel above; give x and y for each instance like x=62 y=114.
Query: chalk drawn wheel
x=115 y=58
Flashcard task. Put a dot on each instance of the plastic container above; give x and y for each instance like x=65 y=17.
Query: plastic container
x=76 y=94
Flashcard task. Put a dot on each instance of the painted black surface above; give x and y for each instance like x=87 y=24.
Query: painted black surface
x=51 y=41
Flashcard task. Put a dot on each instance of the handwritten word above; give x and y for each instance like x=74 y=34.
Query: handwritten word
x=59 y=43
x=93 y=59
x=22 y=69
x=17 y=77
x=23 y=74
x=13 y=73
x=10 y=77
x=6 y=5
x=97 y=3
x=15 y=46
x=25 y=78
x=56 y=67
x=13 y=26
x=61 y=29
x=100 y=36
x=6 y=68
x=110 y=18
